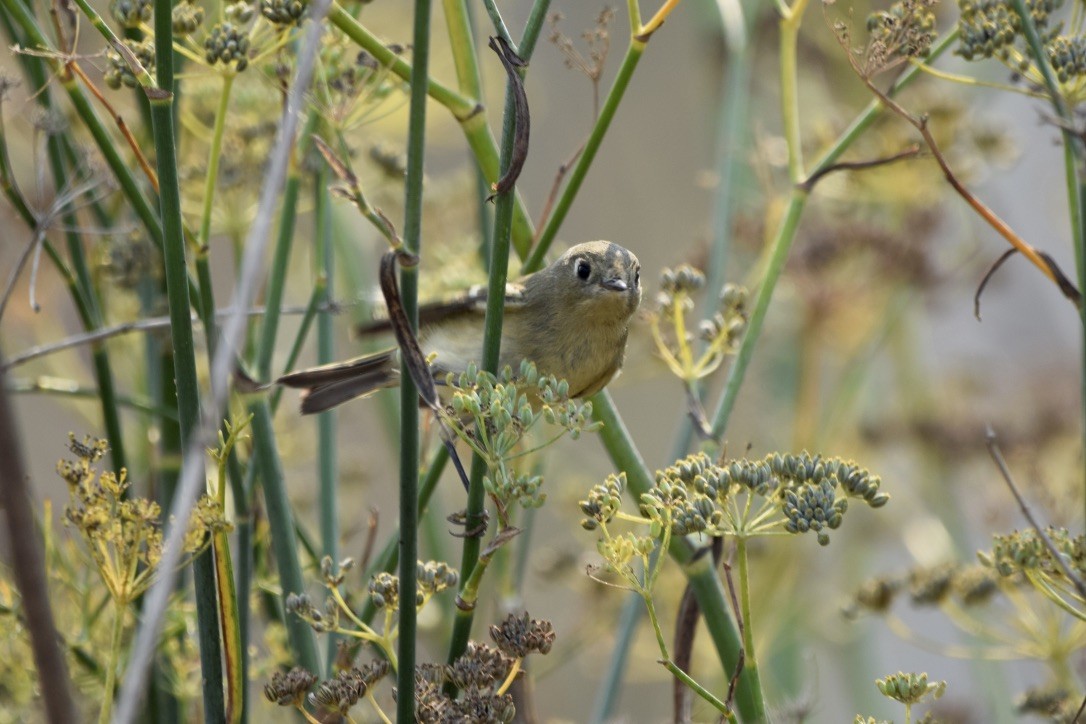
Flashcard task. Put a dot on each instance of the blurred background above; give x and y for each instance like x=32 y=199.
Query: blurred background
x=871 y=351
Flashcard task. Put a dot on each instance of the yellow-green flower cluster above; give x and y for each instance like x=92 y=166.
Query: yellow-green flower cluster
x=909 y=688
x=1025 y=552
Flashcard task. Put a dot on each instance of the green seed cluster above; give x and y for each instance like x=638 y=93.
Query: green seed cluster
x=992 y=28
x=603 y=501
x=131 y=13
x=385 y=590
x=693 y=495
x=303 y=607
x=434 y=577
x=730 y=321
x=1025 y=551
x=814 y=508
x=187 y=17
x=284 y=12
x=240 y=12
x=226 y=44
x=909 y=688
x=118 y=72
x=1067 y=57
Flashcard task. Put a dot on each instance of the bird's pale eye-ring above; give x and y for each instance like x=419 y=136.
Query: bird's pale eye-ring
x=583 y=269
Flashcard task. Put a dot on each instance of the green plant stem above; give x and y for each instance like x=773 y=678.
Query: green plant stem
x=327 y=460
x=588 y=155
x=280 y=520
x=789 y=28
x=492 y=337
x=786 y=231
x=112 y=661
x=184 y=351
x=699 y=570
x=409 y=404
x=750 y=653
x=468 y=112
x=499 y=24
x=462 y=42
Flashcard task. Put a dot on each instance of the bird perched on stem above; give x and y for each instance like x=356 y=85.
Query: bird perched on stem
x=571 y=319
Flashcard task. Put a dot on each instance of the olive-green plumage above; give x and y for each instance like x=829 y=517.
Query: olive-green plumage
x=571 y=319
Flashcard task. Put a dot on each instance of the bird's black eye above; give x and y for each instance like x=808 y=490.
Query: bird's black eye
x=583 y=269
x=637 y=277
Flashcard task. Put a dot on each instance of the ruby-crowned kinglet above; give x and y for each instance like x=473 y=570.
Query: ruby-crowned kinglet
x=571 y=319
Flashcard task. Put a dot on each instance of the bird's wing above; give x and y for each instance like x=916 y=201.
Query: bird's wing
x=472 y=301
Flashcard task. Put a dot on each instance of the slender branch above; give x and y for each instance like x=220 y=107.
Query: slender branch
x=808 y=184
x=992 y=442
x=147 y=325
x=28 y=567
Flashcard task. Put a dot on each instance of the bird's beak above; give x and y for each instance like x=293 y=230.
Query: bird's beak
x=616 y=284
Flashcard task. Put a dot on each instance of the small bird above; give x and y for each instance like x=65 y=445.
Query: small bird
x=571 y=319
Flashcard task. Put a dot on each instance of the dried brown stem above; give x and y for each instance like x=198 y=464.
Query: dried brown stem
x=910 y=152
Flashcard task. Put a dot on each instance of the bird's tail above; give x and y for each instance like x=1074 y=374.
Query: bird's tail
x=329 y=385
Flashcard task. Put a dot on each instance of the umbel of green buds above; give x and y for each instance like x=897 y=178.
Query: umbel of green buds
x=909 y=688
x=130 y=13
x=284 y=12
x=187 y=17
x=227 y=44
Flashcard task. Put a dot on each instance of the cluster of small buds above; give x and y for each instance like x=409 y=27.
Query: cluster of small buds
x=284 y=12
x=1026 y=551
x=814 y=507
x=302 y=606
x=333 y=573
x=521 y=487
x=874 y=595
x=479 y=674
x=619 y=550
x=119 y=73
x=753 y=475
x=603 y=501
x=289 y=688
x=684 y=279
x=905 y=30
x=1067 y=56
x=131 y=13
x=385 y=590
x=187 y=18
x=518 y=636
x=433 y=578
x=240 y=12
x=929 y=586
x=730 y=323
x=909 y=688
x=805 y=468
x=226 y=44
x=670 y=502
x=987 y=29
x=975 y=585
x=337 y=695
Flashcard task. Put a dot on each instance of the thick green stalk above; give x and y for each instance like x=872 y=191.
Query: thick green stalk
x=699 y=570
x=409 y=405
x=492 y=338
x=462 y=42
x=588 y=155
x=468 y=112
x=280 y=520
x=184 y=351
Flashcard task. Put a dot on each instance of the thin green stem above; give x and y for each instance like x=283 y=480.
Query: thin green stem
x=409 y=407
x=492 y=337
x=462 y=41
x=588 y=155
x=467 y=111
x=789 y=26
x=698 y=570
x=327 y=461
x=112 y=661
x=499 y=24
x=749 y=653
